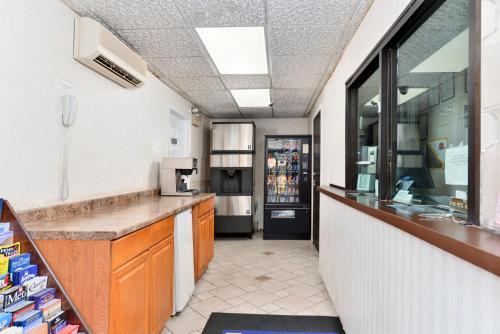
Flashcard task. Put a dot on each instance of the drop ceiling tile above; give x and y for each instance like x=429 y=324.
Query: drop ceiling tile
x=226 y=115
x=295 y=81
x=290 y=107
x=86 y=7
x=183 y=67
x=292 y=94
x=220 y=100
x=257 y=112
x=246 y=81
x=198 y=83
x=218 y=13
x=177 y=42
x=300 y=12
x=141 y=14
x=286 y=64
x=303 y=39
x=295 y=114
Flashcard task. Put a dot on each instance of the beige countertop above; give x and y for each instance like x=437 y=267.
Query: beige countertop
x=115 y=221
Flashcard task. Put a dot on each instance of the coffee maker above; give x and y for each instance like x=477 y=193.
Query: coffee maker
x=175 y=176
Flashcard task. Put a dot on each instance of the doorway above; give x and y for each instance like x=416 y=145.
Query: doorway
x=316 y=177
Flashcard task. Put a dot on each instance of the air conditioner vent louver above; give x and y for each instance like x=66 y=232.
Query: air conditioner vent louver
x=104 y=62
x=100 y=50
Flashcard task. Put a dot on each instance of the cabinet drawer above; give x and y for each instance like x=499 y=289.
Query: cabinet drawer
x=205 y=206
x=162 y=229
x=130 y=246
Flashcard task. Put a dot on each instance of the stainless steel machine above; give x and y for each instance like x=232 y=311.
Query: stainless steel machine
x=231 y=176
x=175 y=176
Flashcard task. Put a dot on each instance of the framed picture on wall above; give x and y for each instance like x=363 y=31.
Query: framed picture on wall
x=433 y=96
x=447 y=87
x=436 y=149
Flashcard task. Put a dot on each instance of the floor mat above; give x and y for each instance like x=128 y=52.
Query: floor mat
x=233 y=323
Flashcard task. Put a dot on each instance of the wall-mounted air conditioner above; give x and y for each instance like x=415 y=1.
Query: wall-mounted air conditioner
x=100 y=50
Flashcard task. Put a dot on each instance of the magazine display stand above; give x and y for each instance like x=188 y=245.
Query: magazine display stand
x=73 y=317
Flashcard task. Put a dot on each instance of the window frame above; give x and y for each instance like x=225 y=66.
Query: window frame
x=383 y=56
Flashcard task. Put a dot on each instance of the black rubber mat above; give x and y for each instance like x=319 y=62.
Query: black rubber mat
x=221 y=323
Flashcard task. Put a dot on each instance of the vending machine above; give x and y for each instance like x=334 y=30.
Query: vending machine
x=287 y=188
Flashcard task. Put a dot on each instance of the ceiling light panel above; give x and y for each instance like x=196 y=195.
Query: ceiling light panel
x=236 y=50
x=247 y=98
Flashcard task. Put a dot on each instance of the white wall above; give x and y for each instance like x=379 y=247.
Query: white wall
x=263 y=127
x=381 y=15
x=119 y=136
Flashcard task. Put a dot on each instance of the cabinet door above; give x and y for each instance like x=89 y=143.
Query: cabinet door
x=210 y=243
x=129 y=300
x=162 y=283
x=202 y=245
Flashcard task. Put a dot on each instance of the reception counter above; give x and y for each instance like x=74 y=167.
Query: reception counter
x=387 y=273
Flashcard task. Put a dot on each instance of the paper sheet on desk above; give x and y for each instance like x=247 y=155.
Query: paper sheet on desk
x=456 y=165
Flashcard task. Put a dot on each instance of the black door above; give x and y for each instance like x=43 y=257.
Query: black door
x=316 y=178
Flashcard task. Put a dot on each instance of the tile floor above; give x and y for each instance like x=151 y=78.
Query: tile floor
x=256 y=276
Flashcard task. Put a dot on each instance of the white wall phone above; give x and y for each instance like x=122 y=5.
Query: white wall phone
x=69 y=108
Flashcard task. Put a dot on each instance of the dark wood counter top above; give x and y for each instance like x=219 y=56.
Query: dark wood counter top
x=471 y=243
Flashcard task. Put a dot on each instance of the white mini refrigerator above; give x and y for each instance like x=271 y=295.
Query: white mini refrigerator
x=183 y=260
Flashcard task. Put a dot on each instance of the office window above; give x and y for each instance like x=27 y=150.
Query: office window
x=368 y=119
x=430 y=122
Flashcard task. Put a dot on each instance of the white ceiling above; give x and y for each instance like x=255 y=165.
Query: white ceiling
x=305 y=39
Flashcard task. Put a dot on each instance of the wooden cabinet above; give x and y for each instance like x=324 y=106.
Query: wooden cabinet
x=129 y=303
x=162 y=284
x=120 y=286
x=203 y=227
x=211 y=234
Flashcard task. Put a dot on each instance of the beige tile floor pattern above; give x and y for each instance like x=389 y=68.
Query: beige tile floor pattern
x=256 y=276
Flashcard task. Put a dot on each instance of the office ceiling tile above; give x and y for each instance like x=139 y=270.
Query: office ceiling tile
x=156 y=43
x=198 y=83
x=290 y=106
x=303 y=39
x=220 y=98
x=289 y=114
x=223 y=13
x=246 y=81
x=228 y=115
x=300 y=12
x=141 y=14
x=301 y=95
x=257 y=112
x=183 y=67
x=86 y=7
x=285 y=64
x=295 y=81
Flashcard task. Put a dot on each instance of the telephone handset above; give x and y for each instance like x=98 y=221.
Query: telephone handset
x=68 y=110
x=68 y=114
